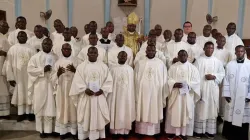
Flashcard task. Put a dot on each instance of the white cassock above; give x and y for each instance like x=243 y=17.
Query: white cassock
x=224 y=56
x=92 y=111
x=78 y=42
x=236 y=86
x=113 y=54
x=165 y=44
x=12 y=38
x=151 y=90
x=40 y=91
x=18 y=57
x=160 y=39
x=196 y=52
x=141 y=55
x=172 y=50
x=208 y=107
x=122 y=103
x=65 y=110
x=231 y=42
x=144 y=46
x=201 y=40
x=36 y=42
x=83 y=55
x=56 y=37
x=181 y=105
x=112 y=36
x=184 y=38
x=85 y=38
x=57 y=48
x=4 y=93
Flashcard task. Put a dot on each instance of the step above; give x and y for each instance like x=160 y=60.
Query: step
x=12 y=124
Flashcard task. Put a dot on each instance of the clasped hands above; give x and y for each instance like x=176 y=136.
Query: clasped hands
x=62 y=70
x=91 y=93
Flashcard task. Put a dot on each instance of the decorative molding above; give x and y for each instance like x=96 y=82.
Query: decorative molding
x=107 y=11
x=183 y=11
x=147 y=17
x=241 y=14
x=18 y=7
x=70 y=12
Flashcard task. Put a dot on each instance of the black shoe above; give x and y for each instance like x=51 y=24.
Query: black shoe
x=219 y=120
x=209 y=136
x=197 y=135
x=74 y=137
x=62 y=137
x=125 y=137
x=21 y=118
x=54 y=134
x=5 y=117
x=43 y=135
x=31 y=117
x=184 y=137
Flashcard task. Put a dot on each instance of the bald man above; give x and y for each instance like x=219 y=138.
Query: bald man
x=92 y=28
x=201 y=40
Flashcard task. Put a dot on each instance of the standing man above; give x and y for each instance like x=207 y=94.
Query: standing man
x=57 y=36
x=21 y=23
x=159 y=35
x=36 y=40
x=4 y=93
x=122 y=104
x=181 y=105
x=201 y=40
x=18 y=57
x=92 y=28
x=91 y=85
x=232 y=38
x=86 y=29
x=196 y=50
x=110 y=27
x=237 y=94
x=207 y=108
x=62 y=76
x=187 y=28
x=40 y=88
x=151 y=91
x=132 y=38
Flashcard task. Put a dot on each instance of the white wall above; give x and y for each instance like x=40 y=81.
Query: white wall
x=32 y=13
x=167 y=13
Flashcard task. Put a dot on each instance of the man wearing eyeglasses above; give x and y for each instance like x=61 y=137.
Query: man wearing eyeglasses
x=187 y=28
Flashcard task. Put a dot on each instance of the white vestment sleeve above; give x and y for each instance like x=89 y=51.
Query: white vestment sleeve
x=226 y=87
x=220 y=75
x=107 y=84
x=9 y=68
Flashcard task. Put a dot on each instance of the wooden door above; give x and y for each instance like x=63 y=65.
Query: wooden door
x=2 y=15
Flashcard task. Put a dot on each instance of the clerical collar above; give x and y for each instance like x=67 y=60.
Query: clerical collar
x=240 y=60
x=131 y=32
x=220 y=48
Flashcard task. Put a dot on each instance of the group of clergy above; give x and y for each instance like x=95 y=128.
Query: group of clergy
x=128 y=82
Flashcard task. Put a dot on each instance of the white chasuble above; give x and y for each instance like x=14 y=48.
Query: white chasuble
x=40 y=85
x=113 y=55
x=236 y=86
x=122 y=106
x=4 y=46
x=36 y=43
x=181 y=106
x=208 y=106
x=223 y=55
x=141 y=55
x=151 y=90
x=85 y=38
x=65 y=109
x=57 y=48
x=12 y=38
x=201 y=40
x=144 y=46
x=18 y=57
x=172 y=50
x=56 y=37
x=83 y=55
x=231 y=42
x=92 y=111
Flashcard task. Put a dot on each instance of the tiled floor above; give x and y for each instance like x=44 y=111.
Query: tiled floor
x=31 y=135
